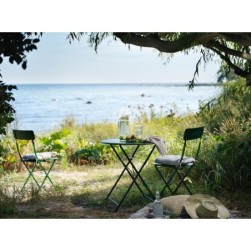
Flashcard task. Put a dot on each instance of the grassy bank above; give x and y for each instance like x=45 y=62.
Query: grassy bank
x=223 y=169
x=83 y=155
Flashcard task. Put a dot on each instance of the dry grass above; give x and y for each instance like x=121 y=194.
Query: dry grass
x=79 y=193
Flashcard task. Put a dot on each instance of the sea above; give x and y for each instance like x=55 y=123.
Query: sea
x=43 y=107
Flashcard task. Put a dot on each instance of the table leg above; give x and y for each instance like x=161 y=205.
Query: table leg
x=129 y=159
x=138 y=173
x=125 y=167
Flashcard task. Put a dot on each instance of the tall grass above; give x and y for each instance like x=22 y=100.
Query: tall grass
x=227 y=162
x=225 y=158
x=9 y=197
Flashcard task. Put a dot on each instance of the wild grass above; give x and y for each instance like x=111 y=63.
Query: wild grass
x=224 y=165
x=85 y=187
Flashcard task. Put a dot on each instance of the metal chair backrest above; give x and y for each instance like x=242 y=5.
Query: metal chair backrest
x=24 y=135
x=193 y=134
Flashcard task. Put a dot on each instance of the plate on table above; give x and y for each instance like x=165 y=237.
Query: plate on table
x=131 y=138
x=128 y=140
x=134 y=140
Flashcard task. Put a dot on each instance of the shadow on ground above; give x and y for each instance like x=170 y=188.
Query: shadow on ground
x=83 y=198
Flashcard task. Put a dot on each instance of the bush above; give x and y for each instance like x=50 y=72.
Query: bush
x=92 y=154
x=8 y=154
x=6 y=109
x=234 y=101
x=228 y=119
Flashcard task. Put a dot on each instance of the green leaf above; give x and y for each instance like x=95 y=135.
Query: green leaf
x=24 y=65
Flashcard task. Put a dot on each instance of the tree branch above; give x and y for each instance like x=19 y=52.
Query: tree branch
x=186 y=41
x=236 y=69
x=243 y=39
x=227 y=50
x=216 y=42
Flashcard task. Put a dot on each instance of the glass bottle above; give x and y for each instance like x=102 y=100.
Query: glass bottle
x=157 y=207
x=123 y=126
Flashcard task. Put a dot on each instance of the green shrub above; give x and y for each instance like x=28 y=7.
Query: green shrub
x=6 y=109
x=8 y=154
x=228 y=164
x=54 y=141
x=234 y=101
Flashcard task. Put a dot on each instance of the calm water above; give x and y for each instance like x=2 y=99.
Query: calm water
x=44 y=106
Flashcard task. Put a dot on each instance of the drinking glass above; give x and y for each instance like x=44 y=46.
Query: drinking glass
x=138 y=131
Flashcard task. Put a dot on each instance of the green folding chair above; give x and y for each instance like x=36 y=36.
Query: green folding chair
x=180 y=165
x=35 y=159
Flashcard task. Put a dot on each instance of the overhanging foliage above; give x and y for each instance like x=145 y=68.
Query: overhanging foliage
x=233 y=49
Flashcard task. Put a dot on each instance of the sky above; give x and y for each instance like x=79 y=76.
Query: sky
x=58 y=61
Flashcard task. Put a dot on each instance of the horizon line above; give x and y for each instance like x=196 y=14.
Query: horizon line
x=113 y=83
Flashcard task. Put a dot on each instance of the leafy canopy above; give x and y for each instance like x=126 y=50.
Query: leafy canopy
x=14 y=47
x=232 y=49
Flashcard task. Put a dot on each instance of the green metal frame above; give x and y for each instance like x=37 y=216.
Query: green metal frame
x=127 y=161
x=30 y=136
x=189 y=134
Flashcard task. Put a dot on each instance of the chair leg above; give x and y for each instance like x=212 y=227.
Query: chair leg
x=47 y=174
x=167 y=182
x=32 y=176
x=29 y=176
x=182 y=181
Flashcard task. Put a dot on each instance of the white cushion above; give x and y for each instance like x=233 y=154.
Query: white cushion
x=41 y=156
x=173 y=160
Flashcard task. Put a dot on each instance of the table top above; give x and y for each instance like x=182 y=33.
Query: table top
x=125 y=142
